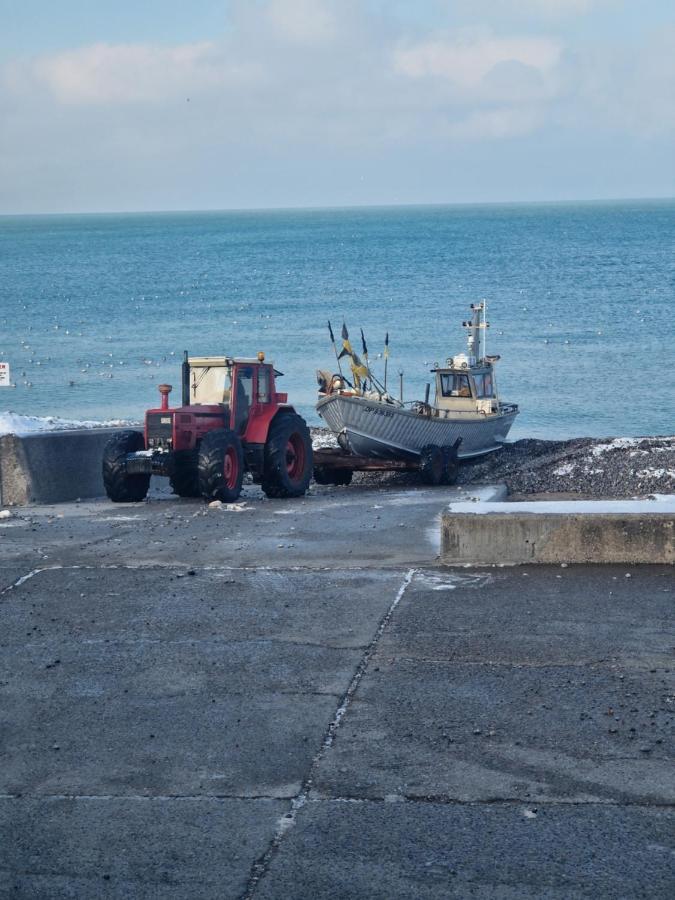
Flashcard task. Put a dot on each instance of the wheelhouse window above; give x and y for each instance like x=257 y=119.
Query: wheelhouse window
x=455 y=385
x=484 y=385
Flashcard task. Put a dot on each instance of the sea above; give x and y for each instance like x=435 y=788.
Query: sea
x=96 y=310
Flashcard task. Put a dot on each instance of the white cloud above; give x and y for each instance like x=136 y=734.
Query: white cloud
x=552 y=7
x=467 y=62
x=136 y=73
x=546 y=10
x=303 y=21
x=630 y=91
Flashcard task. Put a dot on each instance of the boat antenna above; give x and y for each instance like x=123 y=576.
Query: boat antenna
x=386 y=359
x=332 y=340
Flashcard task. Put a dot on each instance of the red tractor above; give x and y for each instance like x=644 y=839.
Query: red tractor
x=231 y=420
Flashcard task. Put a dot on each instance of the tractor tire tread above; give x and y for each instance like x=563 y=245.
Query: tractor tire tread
x=119 y=486
x=210 y=465
x=276 y=483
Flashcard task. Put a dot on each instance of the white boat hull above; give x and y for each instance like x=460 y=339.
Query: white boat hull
x=383 y=431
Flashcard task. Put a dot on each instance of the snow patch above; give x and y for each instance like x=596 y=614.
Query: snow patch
x=450 y=582
x=323 y=440
x=230 y=507
x=614 y=444
x=624 y=443
x=13 y=423
x=666 y=504
x=565 y=469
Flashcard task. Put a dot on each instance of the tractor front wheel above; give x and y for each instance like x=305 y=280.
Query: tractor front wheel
x=120 y=486
x=220 y=466
x=184 y=477
x=288 y=457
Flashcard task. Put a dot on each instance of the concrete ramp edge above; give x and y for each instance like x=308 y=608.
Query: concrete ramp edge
x=508 y=538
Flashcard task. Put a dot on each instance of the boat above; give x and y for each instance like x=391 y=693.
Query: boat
x=467 y=412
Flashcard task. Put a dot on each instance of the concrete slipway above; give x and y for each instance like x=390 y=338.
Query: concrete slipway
x=293 y=700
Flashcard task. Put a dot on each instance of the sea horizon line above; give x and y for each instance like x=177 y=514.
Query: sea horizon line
x=362 y=207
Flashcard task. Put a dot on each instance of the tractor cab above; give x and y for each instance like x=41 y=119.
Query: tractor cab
x=244 y=390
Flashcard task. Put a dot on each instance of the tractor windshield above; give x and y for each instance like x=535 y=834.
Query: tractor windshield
x=210 y=384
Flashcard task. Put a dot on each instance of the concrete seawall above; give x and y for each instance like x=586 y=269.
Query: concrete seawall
x=51 y=466
x=513 y=537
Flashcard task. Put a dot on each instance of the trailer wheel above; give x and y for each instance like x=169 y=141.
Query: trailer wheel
x=450 y=465
x=119 y=486
x=343 y=442
x=184 y=477
x=432 y=464
x=220 y=466
x=288 y=457
x=324 y=475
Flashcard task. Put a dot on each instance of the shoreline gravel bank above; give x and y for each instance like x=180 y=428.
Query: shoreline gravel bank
x=588 y=468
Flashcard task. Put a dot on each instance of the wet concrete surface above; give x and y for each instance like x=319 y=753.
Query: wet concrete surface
x=183 y=718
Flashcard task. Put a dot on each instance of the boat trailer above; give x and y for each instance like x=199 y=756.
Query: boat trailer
x=436 y=465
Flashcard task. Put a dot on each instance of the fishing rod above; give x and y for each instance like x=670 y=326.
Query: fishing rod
x=332 y=340
x=374 y=381
x=365 y=356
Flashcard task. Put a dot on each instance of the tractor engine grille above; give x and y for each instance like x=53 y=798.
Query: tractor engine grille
x=159 y=428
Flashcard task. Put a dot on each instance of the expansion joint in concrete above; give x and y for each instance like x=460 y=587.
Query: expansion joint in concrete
x=515 y=664
x=445 y=800
x=133 y=798
x=261 y=866
x=23 y=579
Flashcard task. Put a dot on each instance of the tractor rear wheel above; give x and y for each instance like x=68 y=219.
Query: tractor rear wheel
x=184 y=477
x=120 y=486
x=432 y=464
x=288 y=457
x=220 y=466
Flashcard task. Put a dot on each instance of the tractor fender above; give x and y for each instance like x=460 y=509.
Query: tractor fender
x=260 y=419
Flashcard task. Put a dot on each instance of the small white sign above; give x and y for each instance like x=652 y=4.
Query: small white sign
x=4 y=374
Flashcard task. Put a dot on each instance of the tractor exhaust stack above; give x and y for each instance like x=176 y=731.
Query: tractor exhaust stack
x=165 y=390
x=185 y=380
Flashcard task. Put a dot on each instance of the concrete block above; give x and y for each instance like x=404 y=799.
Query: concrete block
x=52 y=466
x=513 y=537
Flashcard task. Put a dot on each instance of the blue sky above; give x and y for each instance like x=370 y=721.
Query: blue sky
x=257 y=103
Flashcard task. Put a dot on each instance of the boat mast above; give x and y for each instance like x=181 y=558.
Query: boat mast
x=474 y=326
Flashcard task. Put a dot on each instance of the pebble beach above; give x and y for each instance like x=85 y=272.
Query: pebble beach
x=579 y=468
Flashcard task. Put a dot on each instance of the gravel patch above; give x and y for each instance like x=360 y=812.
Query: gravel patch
x=590 y=468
